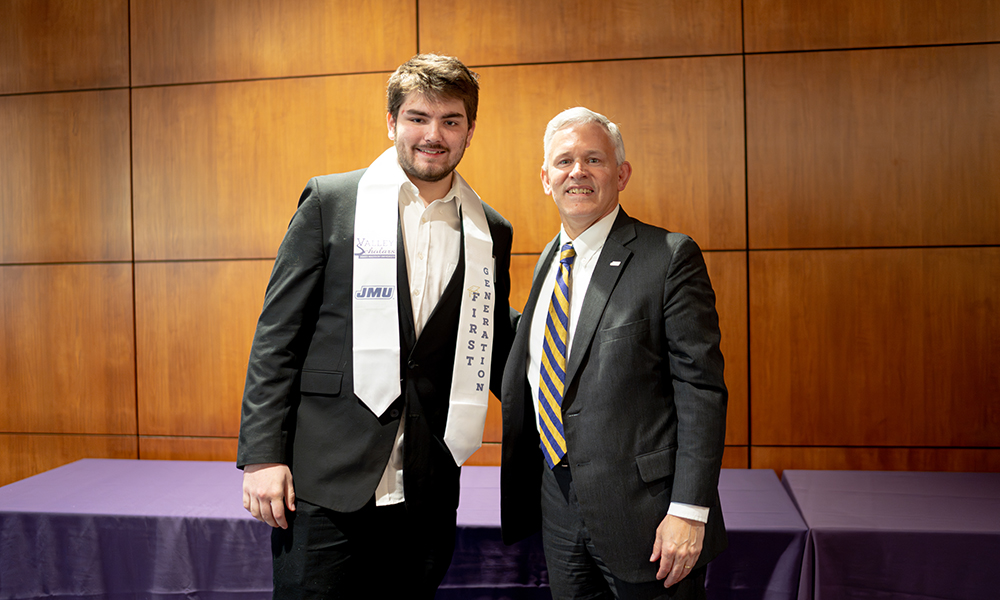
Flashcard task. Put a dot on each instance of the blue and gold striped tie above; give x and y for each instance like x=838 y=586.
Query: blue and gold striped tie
x=553 y=368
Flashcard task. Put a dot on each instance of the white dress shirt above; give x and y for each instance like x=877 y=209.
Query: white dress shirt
x=432 y=236
x=588 y=246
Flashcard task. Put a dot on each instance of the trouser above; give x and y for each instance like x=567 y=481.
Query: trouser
x=576 y=569
x=376 y=552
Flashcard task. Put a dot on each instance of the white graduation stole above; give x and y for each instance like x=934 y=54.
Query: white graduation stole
x=376 y=319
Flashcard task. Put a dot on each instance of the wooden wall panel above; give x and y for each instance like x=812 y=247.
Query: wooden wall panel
x=776 y=25
x=874 y=148
x=875 y=347
x=66 y=359
x=183 y=41
x=218 y=168
x=50 y=45
x=877 y=358
x=736 y=457
x=187 y=448
x=728 y=271
x=65 y=184
x=877 y=459
x=682 y=121
x=30 y=454
x=495 y=32
x=194 y=327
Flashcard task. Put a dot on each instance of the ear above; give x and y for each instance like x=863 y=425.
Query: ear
x=468 y=136
x=545 y=181
x=390 y=123
x=624 y=174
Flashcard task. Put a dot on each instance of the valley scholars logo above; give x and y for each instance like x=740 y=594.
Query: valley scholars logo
x=372 y=248
x=375 y=292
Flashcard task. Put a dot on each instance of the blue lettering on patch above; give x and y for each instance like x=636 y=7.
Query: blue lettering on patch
x=375 y=292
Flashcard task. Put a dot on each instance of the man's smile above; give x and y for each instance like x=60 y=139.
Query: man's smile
x=431 y=151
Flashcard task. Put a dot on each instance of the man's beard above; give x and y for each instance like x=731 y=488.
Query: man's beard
x=428 y=174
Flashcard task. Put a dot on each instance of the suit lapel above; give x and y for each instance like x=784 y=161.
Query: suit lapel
x=602 y=283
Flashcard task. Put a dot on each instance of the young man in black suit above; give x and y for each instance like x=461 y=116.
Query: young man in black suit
x=371 y=365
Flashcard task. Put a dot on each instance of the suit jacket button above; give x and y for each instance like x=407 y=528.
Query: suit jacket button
x=412 y=364
x=394 y=413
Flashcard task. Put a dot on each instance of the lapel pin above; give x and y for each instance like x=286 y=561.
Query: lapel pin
x=616 y=263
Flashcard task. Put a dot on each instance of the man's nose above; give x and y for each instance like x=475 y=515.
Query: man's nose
x=579 y=170
x=432 y=133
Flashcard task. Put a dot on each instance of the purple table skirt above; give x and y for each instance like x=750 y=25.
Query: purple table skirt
x=132 y=529
x=899 y=535
x=122 y=529
x=766 y=539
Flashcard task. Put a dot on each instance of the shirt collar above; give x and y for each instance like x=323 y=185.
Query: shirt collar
x=589 y=243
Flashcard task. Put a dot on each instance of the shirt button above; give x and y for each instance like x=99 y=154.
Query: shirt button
x=420 y=255
x=416 y=292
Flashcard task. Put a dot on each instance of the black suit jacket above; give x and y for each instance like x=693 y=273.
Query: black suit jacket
x=299 y=406
x=645 y=404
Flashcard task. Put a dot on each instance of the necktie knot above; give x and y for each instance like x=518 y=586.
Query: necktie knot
x=567 y=254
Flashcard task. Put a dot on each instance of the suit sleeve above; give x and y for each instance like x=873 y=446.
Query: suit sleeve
x=284 y=330
x=696 y=371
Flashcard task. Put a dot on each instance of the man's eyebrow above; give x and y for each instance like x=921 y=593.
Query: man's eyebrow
x=420 y=113
x=588 y=152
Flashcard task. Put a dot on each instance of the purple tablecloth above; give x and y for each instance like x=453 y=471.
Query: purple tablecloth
x=766 y=541
x=132 y=529
x=899 y=535
x=120 y=529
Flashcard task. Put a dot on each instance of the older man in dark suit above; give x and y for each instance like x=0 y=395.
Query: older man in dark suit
x=370 y=369
x=614 y=404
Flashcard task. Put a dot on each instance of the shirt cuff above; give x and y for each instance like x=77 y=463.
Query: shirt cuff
x=688 y=511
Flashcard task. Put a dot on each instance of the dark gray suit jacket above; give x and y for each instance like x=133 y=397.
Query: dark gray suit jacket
x=299 y=406
x=645 y=404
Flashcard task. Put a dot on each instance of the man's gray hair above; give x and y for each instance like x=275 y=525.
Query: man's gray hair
x=579 y=116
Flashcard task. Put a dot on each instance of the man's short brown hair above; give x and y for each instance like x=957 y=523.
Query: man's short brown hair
x=435 y=77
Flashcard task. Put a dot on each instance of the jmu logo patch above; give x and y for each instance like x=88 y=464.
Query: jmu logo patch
x=375 y=292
